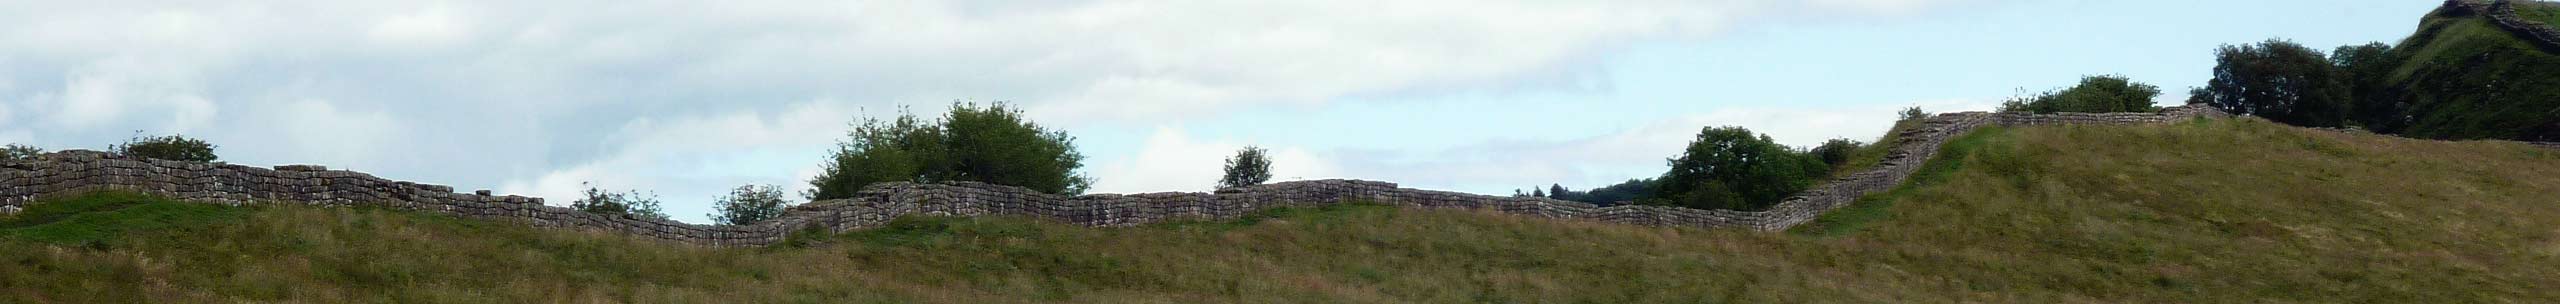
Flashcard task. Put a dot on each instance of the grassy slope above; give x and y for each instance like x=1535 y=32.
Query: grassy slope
x=2211 y=211
x=2469 y=79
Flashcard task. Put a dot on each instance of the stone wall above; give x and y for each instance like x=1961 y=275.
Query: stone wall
x=73 y=172
x=2503 y=13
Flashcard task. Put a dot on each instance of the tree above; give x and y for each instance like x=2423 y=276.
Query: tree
x=1557 y=191
x=2094 y=94
x=1914 y=112
x=1250 y=166
x=169 y=147
x=749 y=204
x=1836 y=151
x=993 y=144
x=1733 y=168
x=2277 y=80
x=599 y=201
x=13 y=152
x=1535 y=192
x=2366 y=69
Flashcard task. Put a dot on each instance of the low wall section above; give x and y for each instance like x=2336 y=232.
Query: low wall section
x=73 y=172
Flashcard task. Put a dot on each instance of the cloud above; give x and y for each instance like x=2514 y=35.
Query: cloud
x=691 y=97
x=689 y=160
x=107 y=91
x=1172 y=160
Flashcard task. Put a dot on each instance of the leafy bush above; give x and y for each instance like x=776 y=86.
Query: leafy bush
x=992 y=144
x=749 y=204
x=1250 y=166
x=19 y=152
x=599 y=201
x=170 y=147
x=1733 y=168
x=2277 y=80
x=2094 y=94
x=1914 y=112
x=1836 y=151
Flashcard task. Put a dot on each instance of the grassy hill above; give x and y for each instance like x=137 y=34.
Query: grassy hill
x=2206 y=211
x=2463 y=77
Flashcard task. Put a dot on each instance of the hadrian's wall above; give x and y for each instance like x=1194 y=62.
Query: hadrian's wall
x=72 y=172
x=2503 y=13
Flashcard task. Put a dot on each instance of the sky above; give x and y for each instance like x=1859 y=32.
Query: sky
x=687 y=99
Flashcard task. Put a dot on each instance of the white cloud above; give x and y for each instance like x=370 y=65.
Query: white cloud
x=690 y=160
x=109 y=90
x=1171 y=160
x=318 y=131
x=435 y=25
x=691 y=97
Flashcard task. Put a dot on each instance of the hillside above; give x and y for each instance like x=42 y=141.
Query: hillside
x=2462 y=76
x=2204 y=211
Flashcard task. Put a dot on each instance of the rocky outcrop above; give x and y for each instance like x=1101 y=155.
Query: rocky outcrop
x=73 y=172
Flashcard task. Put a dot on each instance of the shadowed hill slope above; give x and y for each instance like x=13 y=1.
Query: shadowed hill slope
x=2479 y=70
x=2234 y=210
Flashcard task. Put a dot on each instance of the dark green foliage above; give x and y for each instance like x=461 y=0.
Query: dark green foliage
x=1914 y=112
x=1733 y=168
x=749 y=204
x=1250 y=166
x=2367 y=71
x=2094 y=94
x=1630 y=191
x=2277 y=80
x=169 y=147
x=633 y=204
x=2461 y=77
x=18 y=152
x=1836 y=151
x=991 y=144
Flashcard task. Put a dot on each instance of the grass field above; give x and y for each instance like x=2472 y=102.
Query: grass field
x=2205 y=211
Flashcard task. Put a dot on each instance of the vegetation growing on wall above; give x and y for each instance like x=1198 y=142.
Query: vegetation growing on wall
x=992 y=144
x=168 y=147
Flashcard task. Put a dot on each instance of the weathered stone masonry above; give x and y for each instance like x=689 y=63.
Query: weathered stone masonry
x=72 y=172
x=2503 y=14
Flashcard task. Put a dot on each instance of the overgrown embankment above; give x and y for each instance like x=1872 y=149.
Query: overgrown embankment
x=2206 y=211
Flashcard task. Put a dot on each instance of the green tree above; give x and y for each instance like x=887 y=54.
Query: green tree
x=1836 y=151
x=1557 y=191
x=2094 y=94
x=169 y=147
x=2367 y=70
x=19 y=152
x=1733 y=168
x=1914 y=112
x=1250 y=166
x=993 y=144
x=633 y=204
x=2277 y=80
x=749 y=204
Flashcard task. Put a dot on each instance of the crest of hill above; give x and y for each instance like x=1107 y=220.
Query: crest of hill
x=2478 y=70
x=2196 y=211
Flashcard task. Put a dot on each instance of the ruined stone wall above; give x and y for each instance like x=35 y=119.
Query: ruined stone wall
x=2503 y=14
x=73 y=172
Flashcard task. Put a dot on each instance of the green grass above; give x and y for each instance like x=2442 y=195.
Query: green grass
x=2211 y=211
x=1873 y=152
x=1866 y=210
x=2466 y=78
